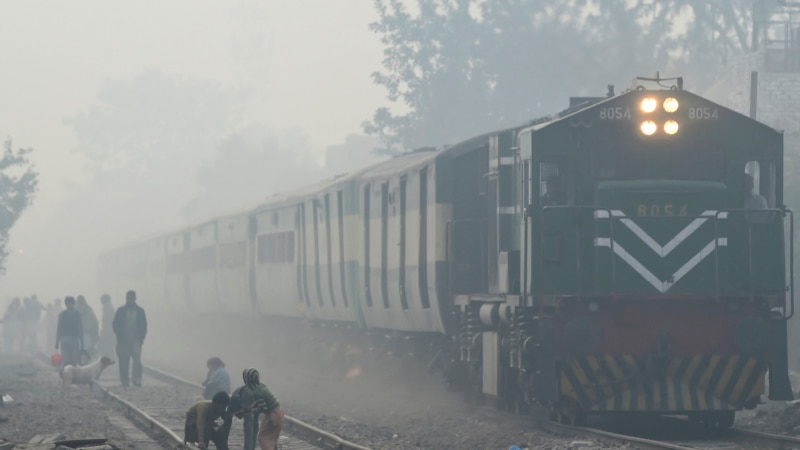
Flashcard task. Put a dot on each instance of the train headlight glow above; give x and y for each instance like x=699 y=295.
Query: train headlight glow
x=671 y=127
x=648 y=127
x=670 y=104
x=649 y=104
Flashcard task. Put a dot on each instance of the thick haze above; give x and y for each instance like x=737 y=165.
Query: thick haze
x=304 y=66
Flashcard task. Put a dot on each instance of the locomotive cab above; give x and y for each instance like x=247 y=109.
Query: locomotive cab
x=653 y=282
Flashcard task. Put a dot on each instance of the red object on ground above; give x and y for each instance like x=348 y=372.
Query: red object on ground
x=55 y=359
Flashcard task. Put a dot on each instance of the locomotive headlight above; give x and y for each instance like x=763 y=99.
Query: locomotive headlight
x=648 y=127
x=649 y=104
x=670 y=127
x=670 y=104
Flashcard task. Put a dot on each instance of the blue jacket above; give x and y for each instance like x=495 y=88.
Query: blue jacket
x=222 y=378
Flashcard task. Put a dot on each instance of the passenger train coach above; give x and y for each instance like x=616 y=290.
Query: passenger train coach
x=604 y=259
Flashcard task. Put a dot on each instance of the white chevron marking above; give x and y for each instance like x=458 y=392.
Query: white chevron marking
x=661 y=286
x=647 y=239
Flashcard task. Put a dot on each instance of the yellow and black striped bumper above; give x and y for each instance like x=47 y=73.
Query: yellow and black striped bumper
x=676 y=384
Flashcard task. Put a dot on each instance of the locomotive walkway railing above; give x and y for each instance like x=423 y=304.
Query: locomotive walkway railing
x=768 y=216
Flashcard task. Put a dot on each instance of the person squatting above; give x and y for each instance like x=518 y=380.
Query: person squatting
x=248 y=402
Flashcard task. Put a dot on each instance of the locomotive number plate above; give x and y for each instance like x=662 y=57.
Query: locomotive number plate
x=703 y=113
x=615 y=113
x=660 y=210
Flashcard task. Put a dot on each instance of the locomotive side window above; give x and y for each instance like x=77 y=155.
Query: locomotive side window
x=759 y=185
x=753 y=169
x=555 y=184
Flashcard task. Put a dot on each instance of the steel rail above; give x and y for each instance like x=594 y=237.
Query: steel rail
x=143 y=420
x=322 y=437
x=146 y=420
x=773 y=440
x=609 y=437
x=760 y=438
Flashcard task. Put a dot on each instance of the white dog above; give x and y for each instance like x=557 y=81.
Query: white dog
x=83 y=374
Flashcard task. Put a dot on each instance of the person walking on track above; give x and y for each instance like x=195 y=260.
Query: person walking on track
x=69 y=334
x=130 y=326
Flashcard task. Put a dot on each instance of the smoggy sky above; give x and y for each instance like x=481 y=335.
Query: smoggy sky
x=307 y=61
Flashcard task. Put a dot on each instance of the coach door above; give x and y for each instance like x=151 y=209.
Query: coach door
x=465 y=256
x=466 y=233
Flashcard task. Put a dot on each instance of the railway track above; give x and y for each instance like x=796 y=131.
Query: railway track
x=683 y=435
x=773 y=440
x=159 y=407
x=676 y=434
x=608 y=437
x=144 y=432
x=156 y=432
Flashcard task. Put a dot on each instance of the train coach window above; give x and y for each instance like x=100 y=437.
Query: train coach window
x=262 y=249
x=276 y=248
x=290 y=247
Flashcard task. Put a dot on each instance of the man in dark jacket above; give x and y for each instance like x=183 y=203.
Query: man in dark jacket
x=130 y=326
x=69 y=334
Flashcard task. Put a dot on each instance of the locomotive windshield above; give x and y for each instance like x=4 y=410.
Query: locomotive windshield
x=658 y=160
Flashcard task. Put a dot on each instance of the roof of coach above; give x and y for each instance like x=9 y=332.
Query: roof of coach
x=149 y=238
x=472 y=144
x=292 y=197
x=400 y=163
x=420 y=157
x=417 y=158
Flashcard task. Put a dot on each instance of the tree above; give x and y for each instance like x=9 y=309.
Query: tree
x=18 y=186
x=143 y=143
x=154 y=123
x=431 y=60
x=460 y=67
x=248 y=167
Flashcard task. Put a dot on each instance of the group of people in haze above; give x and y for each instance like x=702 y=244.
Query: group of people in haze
x=247 y=402
x=79 y=338
x=77 y=333
x=21 y=323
